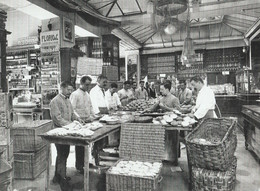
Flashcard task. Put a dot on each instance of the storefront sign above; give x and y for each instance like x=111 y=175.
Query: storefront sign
x=225 y=73
x=50 y=41
x=27 y=40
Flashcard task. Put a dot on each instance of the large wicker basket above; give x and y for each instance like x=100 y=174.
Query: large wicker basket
x=210 y=180
x=30 y=165
x=26 y=137
x=218 y=152
x=142 y=142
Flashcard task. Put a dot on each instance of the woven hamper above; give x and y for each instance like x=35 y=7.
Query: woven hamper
x=218 y=152
x=30 y=165
x=209 y=180
x=25 y=135
x=138 y=142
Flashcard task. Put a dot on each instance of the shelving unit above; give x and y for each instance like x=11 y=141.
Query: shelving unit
x=50 y=75
x=223 y=59
x=196 y=68
x=22 y=67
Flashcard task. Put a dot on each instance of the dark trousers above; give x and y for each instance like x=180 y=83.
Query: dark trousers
x=79 y=157
x=98 y=146
x=61 y=160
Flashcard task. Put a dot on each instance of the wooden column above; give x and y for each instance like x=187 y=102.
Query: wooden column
x=3 y=33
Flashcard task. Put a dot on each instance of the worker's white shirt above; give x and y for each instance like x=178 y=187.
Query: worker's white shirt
x=205 y=102
x=97 y=98
x=122 y=93
x=81 y=104
x=112 y=101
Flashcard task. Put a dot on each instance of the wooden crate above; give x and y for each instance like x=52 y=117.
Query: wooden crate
x=139 y=142
x=25 y=135
x=30 y=165
x=6 y=102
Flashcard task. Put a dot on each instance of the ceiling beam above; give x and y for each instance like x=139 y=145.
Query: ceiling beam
x=203 y=11
x=207 y=46
x=252 y=29
x=221 y=8
x=97 y=30
x=198 y=41
x=126 y=37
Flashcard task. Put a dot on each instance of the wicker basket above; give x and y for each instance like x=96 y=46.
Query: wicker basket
x=217 y=155
x=30 y=165
x=26 y=137
x=209 y=180
x=142 y=142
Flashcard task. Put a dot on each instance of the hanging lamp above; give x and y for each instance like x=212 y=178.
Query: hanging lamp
x=188 y=53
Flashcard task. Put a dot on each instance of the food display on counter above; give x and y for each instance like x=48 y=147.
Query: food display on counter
x=76 y=129
x=136 y=168
x=175 y=118
x=110 y=120
x=139 y=105
x=186 y=108
x=93 y=126
x=143 y=119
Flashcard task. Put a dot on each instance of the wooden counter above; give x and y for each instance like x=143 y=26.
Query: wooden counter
x=228 y=105
x=79 y=141
x=251 y=119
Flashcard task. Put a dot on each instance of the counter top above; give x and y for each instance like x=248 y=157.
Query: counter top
x=74 y=140
x=254 y=108
x=25 y=105
x=248 y=94
x=225 y=96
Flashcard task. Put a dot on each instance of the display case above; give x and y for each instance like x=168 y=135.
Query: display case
x=248 y=81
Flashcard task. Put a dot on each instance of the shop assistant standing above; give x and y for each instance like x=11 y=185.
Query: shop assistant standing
x=126 y=95
x=142 y=92
x=186 y=94
x=112 y=98
x=97 y=95
x=62 y=114
x=82 y=106
x=205 y=102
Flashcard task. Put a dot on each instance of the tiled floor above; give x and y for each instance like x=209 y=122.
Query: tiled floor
x=248 y=174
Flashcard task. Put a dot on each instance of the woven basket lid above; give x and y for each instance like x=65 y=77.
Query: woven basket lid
x=32 y=124
x=140 y=141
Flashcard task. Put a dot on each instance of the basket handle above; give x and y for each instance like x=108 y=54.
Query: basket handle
x=160 y=179
x=230 y=129
x=220 y=116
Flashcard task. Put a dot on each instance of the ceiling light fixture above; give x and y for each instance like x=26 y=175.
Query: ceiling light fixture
x=170 y=29
x=188 y=53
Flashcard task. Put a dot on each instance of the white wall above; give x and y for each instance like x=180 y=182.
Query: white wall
x=21 y=25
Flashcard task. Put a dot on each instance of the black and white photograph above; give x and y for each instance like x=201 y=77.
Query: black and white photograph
x=129 y=95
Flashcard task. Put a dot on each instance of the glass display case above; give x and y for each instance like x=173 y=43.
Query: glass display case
x=248 y=81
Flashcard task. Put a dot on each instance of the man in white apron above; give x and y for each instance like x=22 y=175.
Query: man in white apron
x=205 y=102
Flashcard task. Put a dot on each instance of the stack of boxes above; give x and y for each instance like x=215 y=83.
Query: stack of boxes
x=6 y=144
x=30 y=151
